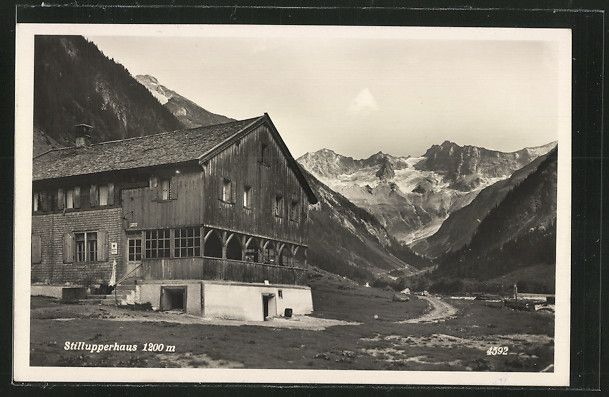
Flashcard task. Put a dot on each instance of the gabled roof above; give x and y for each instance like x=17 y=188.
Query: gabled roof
x=194 y=144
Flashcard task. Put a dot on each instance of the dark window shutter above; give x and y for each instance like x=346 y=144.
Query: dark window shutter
x=110 y=193
x=274 y=205
x=220 y=188
x=76 y=197
x=45 y=203
x=36 y=249
x=93 y=195
x=68 y=248
x=60 y=199
x=173 y=191
x=102 y=246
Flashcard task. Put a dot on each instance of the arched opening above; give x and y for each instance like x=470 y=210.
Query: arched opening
x=213 y=245
x=251 y=250
x=300 y=257
x=233 y=248
x=269 y=253
x=285 y=256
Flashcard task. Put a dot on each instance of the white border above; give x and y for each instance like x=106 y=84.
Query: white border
x=23 y=372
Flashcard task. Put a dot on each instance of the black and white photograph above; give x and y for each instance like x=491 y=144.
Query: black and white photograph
x=348 y=203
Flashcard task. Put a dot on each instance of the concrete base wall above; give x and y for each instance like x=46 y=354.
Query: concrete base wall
x=237 y=301
x=151 y=293
x=227 y=300
x=53 y=291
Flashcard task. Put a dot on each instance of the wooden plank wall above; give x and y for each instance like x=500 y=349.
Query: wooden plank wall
x=241 y=163
x=144 y=208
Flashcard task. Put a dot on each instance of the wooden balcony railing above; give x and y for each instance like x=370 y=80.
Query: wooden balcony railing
x=207 y=268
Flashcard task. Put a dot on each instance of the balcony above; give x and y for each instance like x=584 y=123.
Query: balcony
x=208 y=268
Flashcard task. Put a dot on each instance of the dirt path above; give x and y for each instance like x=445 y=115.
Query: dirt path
x=440 y=311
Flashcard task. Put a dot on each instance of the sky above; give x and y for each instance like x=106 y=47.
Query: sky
x=363 y=94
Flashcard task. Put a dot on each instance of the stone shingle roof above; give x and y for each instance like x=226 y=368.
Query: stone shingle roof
x=146 y=151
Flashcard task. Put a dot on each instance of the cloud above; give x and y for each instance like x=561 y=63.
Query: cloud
x=363 y=103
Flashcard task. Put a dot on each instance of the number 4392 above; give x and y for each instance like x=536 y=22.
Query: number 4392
x=497 y=351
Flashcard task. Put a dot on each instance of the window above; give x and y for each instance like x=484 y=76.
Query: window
x=135 y=249
x=70 y=198
x=294 y=210
x=264 y=153
x=165 y=189
x=278 y=206
x=187 y=242
x=280 y=293
x=86 y=247
x=157 y=243
x=247 y=196
x=37 y=202
x=227 y=190
x=103 y=195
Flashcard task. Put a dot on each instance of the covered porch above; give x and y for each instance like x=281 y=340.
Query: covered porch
x=220 y=254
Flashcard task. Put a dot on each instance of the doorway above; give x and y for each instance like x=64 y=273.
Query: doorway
x=269 y=306
x=173 y=298
x=134 y=256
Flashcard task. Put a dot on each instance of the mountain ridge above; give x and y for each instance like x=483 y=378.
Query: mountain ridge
x=409 y=196
x=186 y=111
x=74 y=82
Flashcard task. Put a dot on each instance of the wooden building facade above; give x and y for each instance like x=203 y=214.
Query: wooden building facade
x=226 y=203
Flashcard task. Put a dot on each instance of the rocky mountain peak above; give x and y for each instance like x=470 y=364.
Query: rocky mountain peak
x=386 y=171
x=189 y=113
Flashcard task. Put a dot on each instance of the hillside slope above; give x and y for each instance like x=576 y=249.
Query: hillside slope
x=458 y=228
x=189 y=113
x=75 y=83
x=347 y=240
x=520 y=232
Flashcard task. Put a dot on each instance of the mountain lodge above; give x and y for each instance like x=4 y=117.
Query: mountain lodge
x=210 y=220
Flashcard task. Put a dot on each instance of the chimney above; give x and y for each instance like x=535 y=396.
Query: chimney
x=83 y=134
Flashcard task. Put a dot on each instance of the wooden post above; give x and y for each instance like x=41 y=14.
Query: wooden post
x=278 y=254
x=224 y=244
x=260 y=250
x=243 y=247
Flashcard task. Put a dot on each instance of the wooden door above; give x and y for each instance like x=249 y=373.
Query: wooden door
x=134 y=256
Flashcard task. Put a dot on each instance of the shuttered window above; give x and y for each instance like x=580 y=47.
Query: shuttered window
x=93 y=196
x=70 y=198
x=36 y=202
x=294 y=210
x=247 y=196
x=76 y=196
x=60 y=199
x=103 y=195
x=278 y=206
x=227 y=191
x=165 y=189
x=86 y=247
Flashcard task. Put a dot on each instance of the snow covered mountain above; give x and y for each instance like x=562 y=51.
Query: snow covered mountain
x=189 y=113
x=410 y=196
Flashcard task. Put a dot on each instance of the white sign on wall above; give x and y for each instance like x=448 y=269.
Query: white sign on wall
x=114 y=248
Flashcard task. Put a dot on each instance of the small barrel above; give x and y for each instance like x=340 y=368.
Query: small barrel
x=288 y=312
